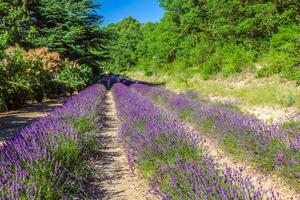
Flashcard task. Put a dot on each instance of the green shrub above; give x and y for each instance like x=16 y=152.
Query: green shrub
x=283 y=57
x=228 y=59
x=18 y=95
x=56 y=89
x=211 y=67
x=263 y=72
x=75 y=77
x=38 y=93
x=289 y=100
x=236 y=59
x=277 y=62
x=286 y=39
x=1 y=104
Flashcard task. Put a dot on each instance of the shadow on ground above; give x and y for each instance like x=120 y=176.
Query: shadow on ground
x=111 y=79
x=104 y=164
x=13 y=121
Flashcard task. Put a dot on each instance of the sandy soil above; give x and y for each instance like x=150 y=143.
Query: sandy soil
x=274 y=114
x=13 y=121
x=113 y=179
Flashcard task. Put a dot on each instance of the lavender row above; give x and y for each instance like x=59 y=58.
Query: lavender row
x=168 y=154
x=38 y=162
x=268 y=146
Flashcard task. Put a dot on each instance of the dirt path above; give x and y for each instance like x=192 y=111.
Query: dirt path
x=113 y=179
x=13 y=121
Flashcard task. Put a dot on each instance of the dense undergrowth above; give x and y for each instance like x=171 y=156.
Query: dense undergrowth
x=46 y=159
x=269 y=147
x=172 y=157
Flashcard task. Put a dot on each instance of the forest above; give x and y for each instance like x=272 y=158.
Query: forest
x=212 y=37
x=202 y=104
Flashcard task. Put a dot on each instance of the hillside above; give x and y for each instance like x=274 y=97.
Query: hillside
x=201 y=104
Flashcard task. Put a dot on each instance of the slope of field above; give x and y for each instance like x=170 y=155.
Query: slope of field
x=269 y=99
x=139 y=141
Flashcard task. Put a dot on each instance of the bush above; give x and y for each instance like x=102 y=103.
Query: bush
x=50 y=61
x=74 y=76
x=1 y=104
x=38 y=93
x=289 y=100
x=277 y=62
x=283 y=56
x=32 y=74
x=211 y=67
x=56 y=89
x=235 y=59
x=228 y=59
x=17 y=96
x=263 y=72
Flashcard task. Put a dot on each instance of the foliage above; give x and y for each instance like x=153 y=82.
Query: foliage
x=74 y=76
x=15 y=21
x=56 y=89
x=36 y=39
x=25 y=74
x=70 y=28
x=38 y=73
x=212 y=36
x=123 y=47
x=289 y=99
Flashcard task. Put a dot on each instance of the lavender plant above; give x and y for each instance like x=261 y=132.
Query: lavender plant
x=267 y=146
x=38 y=163
x=172 y=157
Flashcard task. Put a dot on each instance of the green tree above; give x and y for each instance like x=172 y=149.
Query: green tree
x=214 y=36
x=123 y=47
x=15 y=20
x=71 y=28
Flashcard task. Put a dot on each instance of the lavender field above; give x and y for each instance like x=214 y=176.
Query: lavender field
x=176 y=144
x=149 y=100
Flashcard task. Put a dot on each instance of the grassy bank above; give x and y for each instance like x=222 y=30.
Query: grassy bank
x=251 y=91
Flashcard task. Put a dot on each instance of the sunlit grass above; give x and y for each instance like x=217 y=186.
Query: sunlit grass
x=272 y=93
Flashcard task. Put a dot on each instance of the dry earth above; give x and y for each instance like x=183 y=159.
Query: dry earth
x=113 y=179
x=274 y=114
x=13 y=121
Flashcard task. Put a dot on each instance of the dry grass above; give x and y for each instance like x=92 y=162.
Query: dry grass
x=245 y=87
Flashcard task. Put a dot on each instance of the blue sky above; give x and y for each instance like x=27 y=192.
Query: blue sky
x=143 y=10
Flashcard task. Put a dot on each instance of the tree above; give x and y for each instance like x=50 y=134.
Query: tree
x=71 y=28
x=15 y=20
x=123 y=47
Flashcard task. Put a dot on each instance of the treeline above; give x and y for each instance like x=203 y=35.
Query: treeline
x=212 y=37
x=48 y=48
